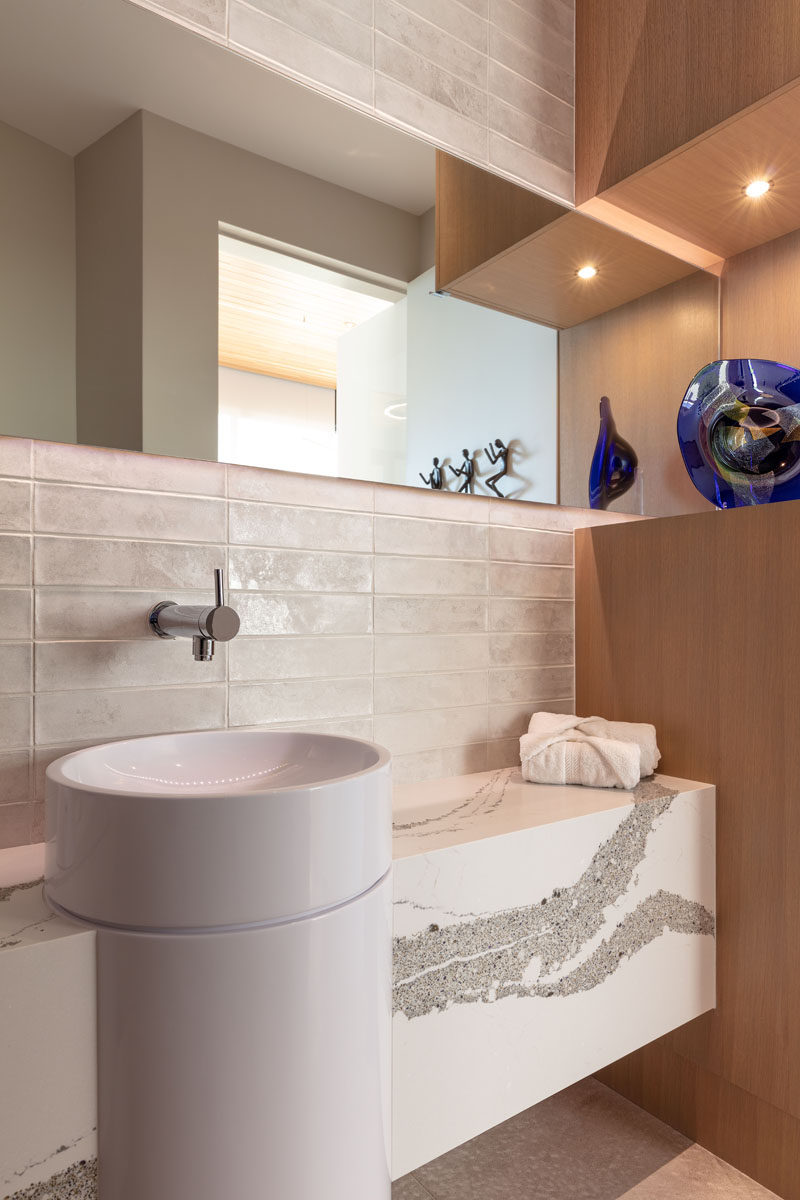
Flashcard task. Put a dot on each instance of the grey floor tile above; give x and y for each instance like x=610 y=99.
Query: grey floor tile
x=587 y=1143
x=407 y=1188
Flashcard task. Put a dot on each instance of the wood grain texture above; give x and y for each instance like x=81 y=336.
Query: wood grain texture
x=762 y=1141
x=652 y=75
x=697 y=193
x=537 y=278
x=478 y=215
x=642 y=356
x=683 y=622
x=760 y=302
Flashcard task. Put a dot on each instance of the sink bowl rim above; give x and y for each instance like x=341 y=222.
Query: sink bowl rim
x=55 y=770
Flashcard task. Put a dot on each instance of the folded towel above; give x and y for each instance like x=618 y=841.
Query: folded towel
x=552 y=750
x=627 y=731
x=589 y=761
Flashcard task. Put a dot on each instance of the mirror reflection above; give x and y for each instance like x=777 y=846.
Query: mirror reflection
x=204 y=259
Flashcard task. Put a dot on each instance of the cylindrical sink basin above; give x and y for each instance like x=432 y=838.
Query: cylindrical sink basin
x=240 y=886
x=207 y=830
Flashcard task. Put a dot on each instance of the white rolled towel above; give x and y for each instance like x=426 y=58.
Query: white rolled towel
x=589 y=761
x=615 y=748
x=627 y=731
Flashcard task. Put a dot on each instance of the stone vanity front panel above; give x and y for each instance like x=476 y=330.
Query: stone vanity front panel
x=540 y=933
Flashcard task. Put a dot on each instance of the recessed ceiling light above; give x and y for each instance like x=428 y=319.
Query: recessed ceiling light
x=587 y=272
x=756 y=188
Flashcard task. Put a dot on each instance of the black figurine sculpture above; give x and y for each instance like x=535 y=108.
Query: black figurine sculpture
x=435 y=479
x=467 y=469
x=500 y=455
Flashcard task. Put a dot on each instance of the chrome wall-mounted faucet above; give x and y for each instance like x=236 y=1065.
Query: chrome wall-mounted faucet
x=204 y=626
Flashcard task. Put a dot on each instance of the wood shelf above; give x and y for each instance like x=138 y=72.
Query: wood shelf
x=508 y=249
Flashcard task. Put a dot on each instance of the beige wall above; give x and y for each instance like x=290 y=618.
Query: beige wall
x=108 y=192
x=37 y=288
x=643 y=357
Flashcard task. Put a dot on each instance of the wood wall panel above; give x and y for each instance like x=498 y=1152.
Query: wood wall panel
x=686 y=622
x=759 y=1139
x=761 y=302
x=652 y=75
x=698 y=193
x=478 y=215
x=642 y=356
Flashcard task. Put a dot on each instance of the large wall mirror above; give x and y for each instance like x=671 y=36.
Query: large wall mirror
x=202 y=258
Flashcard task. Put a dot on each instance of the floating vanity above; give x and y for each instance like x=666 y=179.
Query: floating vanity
x=540 y=933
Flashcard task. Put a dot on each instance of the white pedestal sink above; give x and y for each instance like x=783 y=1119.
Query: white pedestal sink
x=239 y=883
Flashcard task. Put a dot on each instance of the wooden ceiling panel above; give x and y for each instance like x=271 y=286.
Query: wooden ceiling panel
x=537 y=279
x=282 y=323
x=697 y=192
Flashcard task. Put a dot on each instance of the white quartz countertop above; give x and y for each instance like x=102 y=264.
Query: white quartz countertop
x=441 y=813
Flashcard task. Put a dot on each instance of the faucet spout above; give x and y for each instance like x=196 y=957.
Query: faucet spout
x=205 y=625
x=202 y=649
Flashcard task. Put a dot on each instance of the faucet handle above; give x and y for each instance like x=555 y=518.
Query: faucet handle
x=219 y=587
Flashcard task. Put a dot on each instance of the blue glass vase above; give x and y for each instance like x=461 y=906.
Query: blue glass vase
x=739 y=432
x=614 y=462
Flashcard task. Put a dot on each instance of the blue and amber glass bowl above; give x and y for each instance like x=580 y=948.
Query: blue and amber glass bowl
x=739 y=432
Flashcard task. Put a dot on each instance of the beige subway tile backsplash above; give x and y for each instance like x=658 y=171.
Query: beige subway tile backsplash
x=531 y=649
x=430 y=614
x=207 y=15
x=16 y=457
x=399 y=63
x=439 y=47
x=16 y=667
x=440 y=539
x=16 y=612
x=452 y=130
x=421 y=652
x=415 y=693
x=430 y=576
x=66 y=666
x=128 y=712
x=299 y=528
x=15 y=777
x=105 y=512
x=322 y=22
x=126 y=469
x=299 y=658
x=103 y=614
x=16 y=821
x=16 y=560
x=308 y=491
x=435 y=624
x=262 y=570
x=519 y=579
x=15 y=505
x=298 y=700
x=530 y=616
x=263 y=616
x=15 y=722
x=438 y=764
x=529 y=546
x=533 y=685
x=68 y=561
x=434 y=729
x=305 y=56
